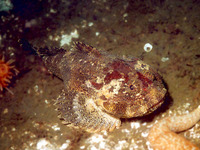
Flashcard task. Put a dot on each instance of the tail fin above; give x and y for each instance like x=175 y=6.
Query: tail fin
x=52 y=51
x=45 y=51
x=51 y=56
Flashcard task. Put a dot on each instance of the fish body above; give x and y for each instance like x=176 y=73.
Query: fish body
x=99 y=89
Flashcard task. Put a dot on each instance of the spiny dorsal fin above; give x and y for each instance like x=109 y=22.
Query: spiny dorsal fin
x=86 y=48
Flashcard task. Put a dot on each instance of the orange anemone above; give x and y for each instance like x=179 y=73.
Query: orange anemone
x=7 y=71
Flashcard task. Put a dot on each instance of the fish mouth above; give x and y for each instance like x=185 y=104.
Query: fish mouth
x=157 y=105
x=155 y=99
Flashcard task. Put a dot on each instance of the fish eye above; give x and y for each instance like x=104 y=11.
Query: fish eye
x=131 y=87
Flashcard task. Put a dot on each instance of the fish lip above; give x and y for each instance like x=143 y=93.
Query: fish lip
x=157 y=105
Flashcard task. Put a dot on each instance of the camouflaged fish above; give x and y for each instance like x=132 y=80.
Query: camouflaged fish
x=99 y=90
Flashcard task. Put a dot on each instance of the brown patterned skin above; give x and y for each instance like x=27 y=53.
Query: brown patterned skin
x=100 y=89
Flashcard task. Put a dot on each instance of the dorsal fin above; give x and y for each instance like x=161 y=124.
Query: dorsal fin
x=79 y=46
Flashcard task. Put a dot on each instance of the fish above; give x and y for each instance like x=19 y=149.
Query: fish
x=99 y=89
x=162 y=135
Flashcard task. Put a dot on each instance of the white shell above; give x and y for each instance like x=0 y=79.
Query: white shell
x=148 y=47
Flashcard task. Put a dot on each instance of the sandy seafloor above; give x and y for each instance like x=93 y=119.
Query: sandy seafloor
x=28 y=120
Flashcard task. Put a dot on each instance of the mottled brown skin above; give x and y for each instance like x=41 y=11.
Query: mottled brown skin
x=100 y=89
